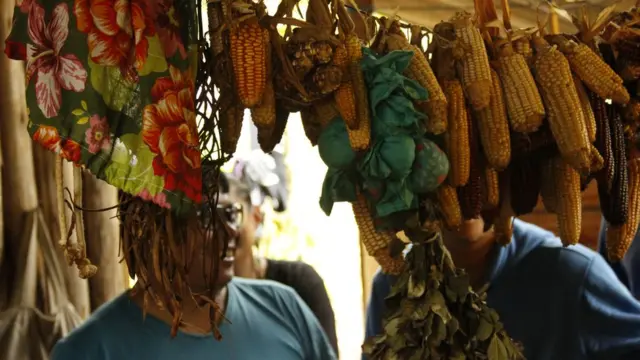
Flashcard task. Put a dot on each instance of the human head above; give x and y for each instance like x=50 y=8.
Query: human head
x=193 y=245
x=252 y=220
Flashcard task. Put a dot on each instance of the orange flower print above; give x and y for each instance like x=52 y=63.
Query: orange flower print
x=117 y=32
x=169 y=129
x=49 y=138
x=53 y=71
x=168 y=28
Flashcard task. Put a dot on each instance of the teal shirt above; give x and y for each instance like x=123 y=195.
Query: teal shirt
x=268 y=321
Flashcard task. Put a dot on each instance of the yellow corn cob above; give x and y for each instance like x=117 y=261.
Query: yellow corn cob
x=587 y=111
x=346 y=102
x=420 y=71
x=619 y=238
x=344 y=95
x=449 y=205
x=361 y=137
x=376 y=243
x=457 y=136
x=522 y=46
x=492 y=189
x=354 y=52
x=524 y=104
x=568 y=201
x=248 y=47
x=476 y=76
x=564 y=112
x=548 y=191
x=593 y=71
x=494 y=128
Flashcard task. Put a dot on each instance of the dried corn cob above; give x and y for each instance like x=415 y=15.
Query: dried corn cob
x=420 y=71
x=548 y=191
x=592 y=70
x=524 y=184
x=615 y=203
x=354 y=51
x=491 y=187
x=230 y=124
x=603 y=142
x=214 y=15
x=522 y=46
x=470 y=194
x=310 y=125
x=269 y=139
x=493 y=127
x=563 y=105
x=619 y=237
x=376 y=243
x=449 y=206
x=587 y=111
x=476 y=74
x=524 y=104
x=249 y=43
x=345 y=96
x=264 y=113
x=388 y=264
x=503 y=223
x=457 y=136
x=568 y=201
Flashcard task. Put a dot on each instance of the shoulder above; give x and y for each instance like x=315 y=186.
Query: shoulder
x=263 y=290
x=90 y=339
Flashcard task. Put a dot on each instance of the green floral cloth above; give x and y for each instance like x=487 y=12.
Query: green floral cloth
x=400 y=162
x=110 y=86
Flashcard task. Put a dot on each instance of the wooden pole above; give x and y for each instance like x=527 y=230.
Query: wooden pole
x=103 y=240
x=19 y=190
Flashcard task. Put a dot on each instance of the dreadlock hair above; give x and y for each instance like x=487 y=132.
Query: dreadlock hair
x=159 y=252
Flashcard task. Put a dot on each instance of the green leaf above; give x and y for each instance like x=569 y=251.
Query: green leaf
x=84 y=105
x=485 y=329
x=416 y=287
x=83 y=120
x=496 y=350
x=78 y=112
x=156 y=61
x=130 y=168
x=108 y=82
x=391 y=327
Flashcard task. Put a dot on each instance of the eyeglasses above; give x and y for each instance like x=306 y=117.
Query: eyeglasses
x=233 y=214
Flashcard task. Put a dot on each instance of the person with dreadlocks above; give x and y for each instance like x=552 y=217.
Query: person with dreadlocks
x=175 y=311
x=261 y=176
x=560 y=302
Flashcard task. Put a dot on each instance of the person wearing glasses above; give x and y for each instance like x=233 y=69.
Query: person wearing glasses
x=266 y=320
x=256 y=178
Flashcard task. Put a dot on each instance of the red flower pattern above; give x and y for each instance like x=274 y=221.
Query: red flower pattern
x=117 y=32
x=169 y=129
x=49 y=138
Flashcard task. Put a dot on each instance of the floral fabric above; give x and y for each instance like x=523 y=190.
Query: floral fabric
x=110 y=86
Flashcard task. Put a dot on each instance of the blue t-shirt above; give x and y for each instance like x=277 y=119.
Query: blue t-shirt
x=268 y=322
x=562 y=303
x=627 y=270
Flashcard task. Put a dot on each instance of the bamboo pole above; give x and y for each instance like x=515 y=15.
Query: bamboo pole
x=19 y=190
x=103 y=240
